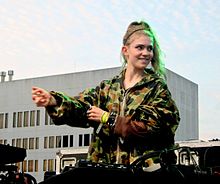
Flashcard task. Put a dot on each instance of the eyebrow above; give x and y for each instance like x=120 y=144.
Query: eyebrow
x=141 y=44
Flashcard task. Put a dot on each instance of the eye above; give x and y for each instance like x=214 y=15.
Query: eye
x=140 y=47
x=149 y=48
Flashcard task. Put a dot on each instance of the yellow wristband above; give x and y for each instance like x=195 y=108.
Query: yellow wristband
x=104 y=118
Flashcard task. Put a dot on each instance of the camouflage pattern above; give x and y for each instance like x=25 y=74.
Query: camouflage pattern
x=147 y=117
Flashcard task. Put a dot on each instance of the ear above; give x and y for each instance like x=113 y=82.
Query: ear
x=124 y=50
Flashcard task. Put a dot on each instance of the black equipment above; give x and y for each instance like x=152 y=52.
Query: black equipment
x=11 y=154
x=9 y=174
x=173 y=173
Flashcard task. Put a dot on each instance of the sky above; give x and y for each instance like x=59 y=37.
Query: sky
x=49 y=37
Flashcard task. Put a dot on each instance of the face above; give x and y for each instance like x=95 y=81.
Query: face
x=139 y=52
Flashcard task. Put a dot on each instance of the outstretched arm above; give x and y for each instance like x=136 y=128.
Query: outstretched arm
x=42 y=98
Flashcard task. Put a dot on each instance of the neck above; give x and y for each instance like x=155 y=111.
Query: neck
x=132 y=77
x=133 y=74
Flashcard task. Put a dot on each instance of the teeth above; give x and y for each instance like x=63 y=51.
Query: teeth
x=147 y=59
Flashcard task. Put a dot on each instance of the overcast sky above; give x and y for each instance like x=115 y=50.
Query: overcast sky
x=49 y=37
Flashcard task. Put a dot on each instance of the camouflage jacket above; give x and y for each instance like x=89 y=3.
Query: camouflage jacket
x=147 y=117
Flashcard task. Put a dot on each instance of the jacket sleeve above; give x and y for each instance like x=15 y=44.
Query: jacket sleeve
x=72 y=110
x=157 y=118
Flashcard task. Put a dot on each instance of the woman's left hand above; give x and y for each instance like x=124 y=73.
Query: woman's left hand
x=95 y=113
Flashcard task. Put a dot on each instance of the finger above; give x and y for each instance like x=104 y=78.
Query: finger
x=90 y=114
x=39 y=95
x=33 y=98
x=34 y=89
x=38 y=91
x=35 y=92
x=42 y=100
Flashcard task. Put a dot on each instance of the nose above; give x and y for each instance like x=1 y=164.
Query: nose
x=145 y=52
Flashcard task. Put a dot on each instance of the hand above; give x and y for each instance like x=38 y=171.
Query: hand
x=42 y=98
x=95 y=113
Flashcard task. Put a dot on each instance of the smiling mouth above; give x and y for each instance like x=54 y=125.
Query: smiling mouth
x=144 y=59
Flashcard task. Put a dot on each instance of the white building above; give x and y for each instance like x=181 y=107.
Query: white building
x=22 y=124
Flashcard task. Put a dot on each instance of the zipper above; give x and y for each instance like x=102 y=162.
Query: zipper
x=123 y=104
x=120 y=139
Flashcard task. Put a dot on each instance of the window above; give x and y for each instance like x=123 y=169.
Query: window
x=32 y=118
x=38 y=118
x=44 y=165
x=18 y=142
x=86 y=140
x=37 y=143
x=14 y=119
x=71 y=141
x=36 y=166
x=58 y=141
x=1 y=121
x=6 y=120
x=65 y=141
x=13 y=142
x=51 y=122
x=51 y=142
x=31 y=143
x=25 y=143
x=19 y=120
x=46 y=117
x=50 y=165
x=26 y=118
x=30 y=165
x=80 y=140
x=5 y=141
x=45 y=142
x=24 y=166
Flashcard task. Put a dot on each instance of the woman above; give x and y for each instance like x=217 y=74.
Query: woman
x=132 y=114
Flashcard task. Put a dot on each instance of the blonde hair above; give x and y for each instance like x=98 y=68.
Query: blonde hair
x=143 y=28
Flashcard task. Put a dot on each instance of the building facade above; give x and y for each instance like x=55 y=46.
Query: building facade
x=22 y=124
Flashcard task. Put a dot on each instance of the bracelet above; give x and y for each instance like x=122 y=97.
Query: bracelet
x=111 y=119
x=103 y=120
x=104 y=117
x=107 y=117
